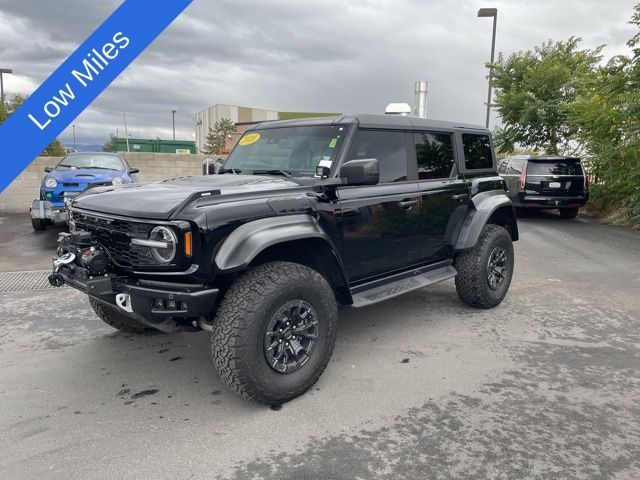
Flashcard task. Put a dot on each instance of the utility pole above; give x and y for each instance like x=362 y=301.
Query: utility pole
x=2 y=71
x=490 y=12
x=173 y=118
x=74 y=137
x=126 y=132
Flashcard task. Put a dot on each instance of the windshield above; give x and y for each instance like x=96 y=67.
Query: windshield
x=565 y=167
x=91 y=160
x=295 y=150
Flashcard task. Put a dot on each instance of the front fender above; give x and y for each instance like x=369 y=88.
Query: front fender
x=486 y=204
x=248 y=240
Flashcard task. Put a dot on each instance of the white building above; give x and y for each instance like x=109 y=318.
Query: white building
x=206 y=119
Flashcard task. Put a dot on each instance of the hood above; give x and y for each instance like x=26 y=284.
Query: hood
x=162 y=199
x=85 y=175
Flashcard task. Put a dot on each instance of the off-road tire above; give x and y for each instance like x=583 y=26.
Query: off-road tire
x=118 y=320
x=38 y=224
x=472 y=282
x=568 y=213
x=237 y=341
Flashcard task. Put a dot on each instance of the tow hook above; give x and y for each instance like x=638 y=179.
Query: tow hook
x=123 y=300
x=55 y=279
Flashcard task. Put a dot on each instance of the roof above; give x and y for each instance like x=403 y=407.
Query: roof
x=371 y=121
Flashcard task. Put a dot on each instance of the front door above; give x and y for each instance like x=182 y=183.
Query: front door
x=380 y=222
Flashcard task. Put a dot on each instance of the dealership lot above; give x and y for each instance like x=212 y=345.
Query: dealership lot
x=547 y=385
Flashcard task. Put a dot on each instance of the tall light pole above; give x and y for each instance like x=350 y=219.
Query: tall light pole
x=2 y=71
x=173 y=119
x=490 y=12
x=74 y=137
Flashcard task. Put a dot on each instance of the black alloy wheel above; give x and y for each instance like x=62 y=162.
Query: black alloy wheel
x=290 y=336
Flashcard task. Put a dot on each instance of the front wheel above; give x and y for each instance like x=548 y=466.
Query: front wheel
x=485 y=271
x=117 y=319
x=38 y=224
x=274 y=332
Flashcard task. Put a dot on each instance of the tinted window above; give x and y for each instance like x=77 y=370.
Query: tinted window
x=434 y=152
x=477 y=151
x=566 y=167
x=388 y=147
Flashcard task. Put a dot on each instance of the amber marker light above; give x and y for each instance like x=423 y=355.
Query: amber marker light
x=187 y=244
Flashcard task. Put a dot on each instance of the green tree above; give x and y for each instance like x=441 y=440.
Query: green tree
x=217 y=136
x=534 y=91
x=607 y=117
x=55 y=148
x=110 y=145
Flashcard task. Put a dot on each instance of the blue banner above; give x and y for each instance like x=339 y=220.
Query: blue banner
x=80 y=79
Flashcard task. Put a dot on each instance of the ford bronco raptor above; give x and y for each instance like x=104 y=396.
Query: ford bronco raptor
x=303 y=216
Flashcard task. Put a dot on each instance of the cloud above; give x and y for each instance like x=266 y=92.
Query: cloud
x=316 y=55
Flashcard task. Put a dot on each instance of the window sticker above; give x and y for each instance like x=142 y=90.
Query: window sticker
x=249 y=139
x=325 y=163
x=333 y=143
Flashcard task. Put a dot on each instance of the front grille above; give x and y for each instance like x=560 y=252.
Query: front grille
x=115 y=235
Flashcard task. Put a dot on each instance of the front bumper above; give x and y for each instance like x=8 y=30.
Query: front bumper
x=152 y=302
x=46 y=210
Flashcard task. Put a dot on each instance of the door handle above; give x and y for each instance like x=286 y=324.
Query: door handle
x=408 y=203
x=460 y=196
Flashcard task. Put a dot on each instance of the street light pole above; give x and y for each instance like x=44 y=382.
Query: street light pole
x=2 y=71
x=173 y=119
x=490 y=12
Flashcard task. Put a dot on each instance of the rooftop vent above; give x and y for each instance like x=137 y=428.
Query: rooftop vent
x=402 y=109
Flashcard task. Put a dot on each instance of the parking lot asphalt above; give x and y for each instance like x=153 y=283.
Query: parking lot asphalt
x=545 y=386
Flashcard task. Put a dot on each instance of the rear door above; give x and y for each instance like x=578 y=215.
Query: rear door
x=444 y=197
x=379 y=222
x=556 y=178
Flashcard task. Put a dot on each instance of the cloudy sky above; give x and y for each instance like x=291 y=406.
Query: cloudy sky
x=307 y=55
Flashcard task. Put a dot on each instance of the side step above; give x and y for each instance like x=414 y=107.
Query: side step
x=404 y=285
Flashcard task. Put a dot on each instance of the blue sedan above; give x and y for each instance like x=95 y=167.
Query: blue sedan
x=74 y=174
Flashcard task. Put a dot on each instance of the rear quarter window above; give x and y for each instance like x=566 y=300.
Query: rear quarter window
x=477 y=151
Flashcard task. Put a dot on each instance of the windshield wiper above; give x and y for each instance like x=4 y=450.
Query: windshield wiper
x=275 y=171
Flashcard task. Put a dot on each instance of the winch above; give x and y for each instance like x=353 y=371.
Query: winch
x=78 y=251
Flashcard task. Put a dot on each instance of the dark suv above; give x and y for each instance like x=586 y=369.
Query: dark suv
x=537 y=182
x=303 y=216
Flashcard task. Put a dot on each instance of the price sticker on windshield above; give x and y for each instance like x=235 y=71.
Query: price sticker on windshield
x=249 y=139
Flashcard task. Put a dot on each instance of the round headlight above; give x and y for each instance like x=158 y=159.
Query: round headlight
x=50 y=182
x=117 y=181
x=163 y=234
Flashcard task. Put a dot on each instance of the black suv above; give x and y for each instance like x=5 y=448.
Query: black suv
x=303 y=216
x=537 y=182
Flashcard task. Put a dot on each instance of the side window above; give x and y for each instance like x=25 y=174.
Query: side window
x=516 y=167
x=434 y=152
x=388 y=147
x=477 y=151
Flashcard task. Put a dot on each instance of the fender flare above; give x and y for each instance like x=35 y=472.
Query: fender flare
x=486 y=204
x=248 y=240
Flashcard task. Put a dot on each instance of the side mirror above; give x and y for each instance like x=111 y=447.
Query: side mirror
x=48 y=169
x=134 y=170
x=361 y=172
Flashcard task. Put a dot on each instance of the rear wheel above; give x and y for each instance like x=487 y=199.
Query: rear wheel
x=568 y=213
x=485 y=271
x=38 y=224
x=118 y=320
x=274 y=332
